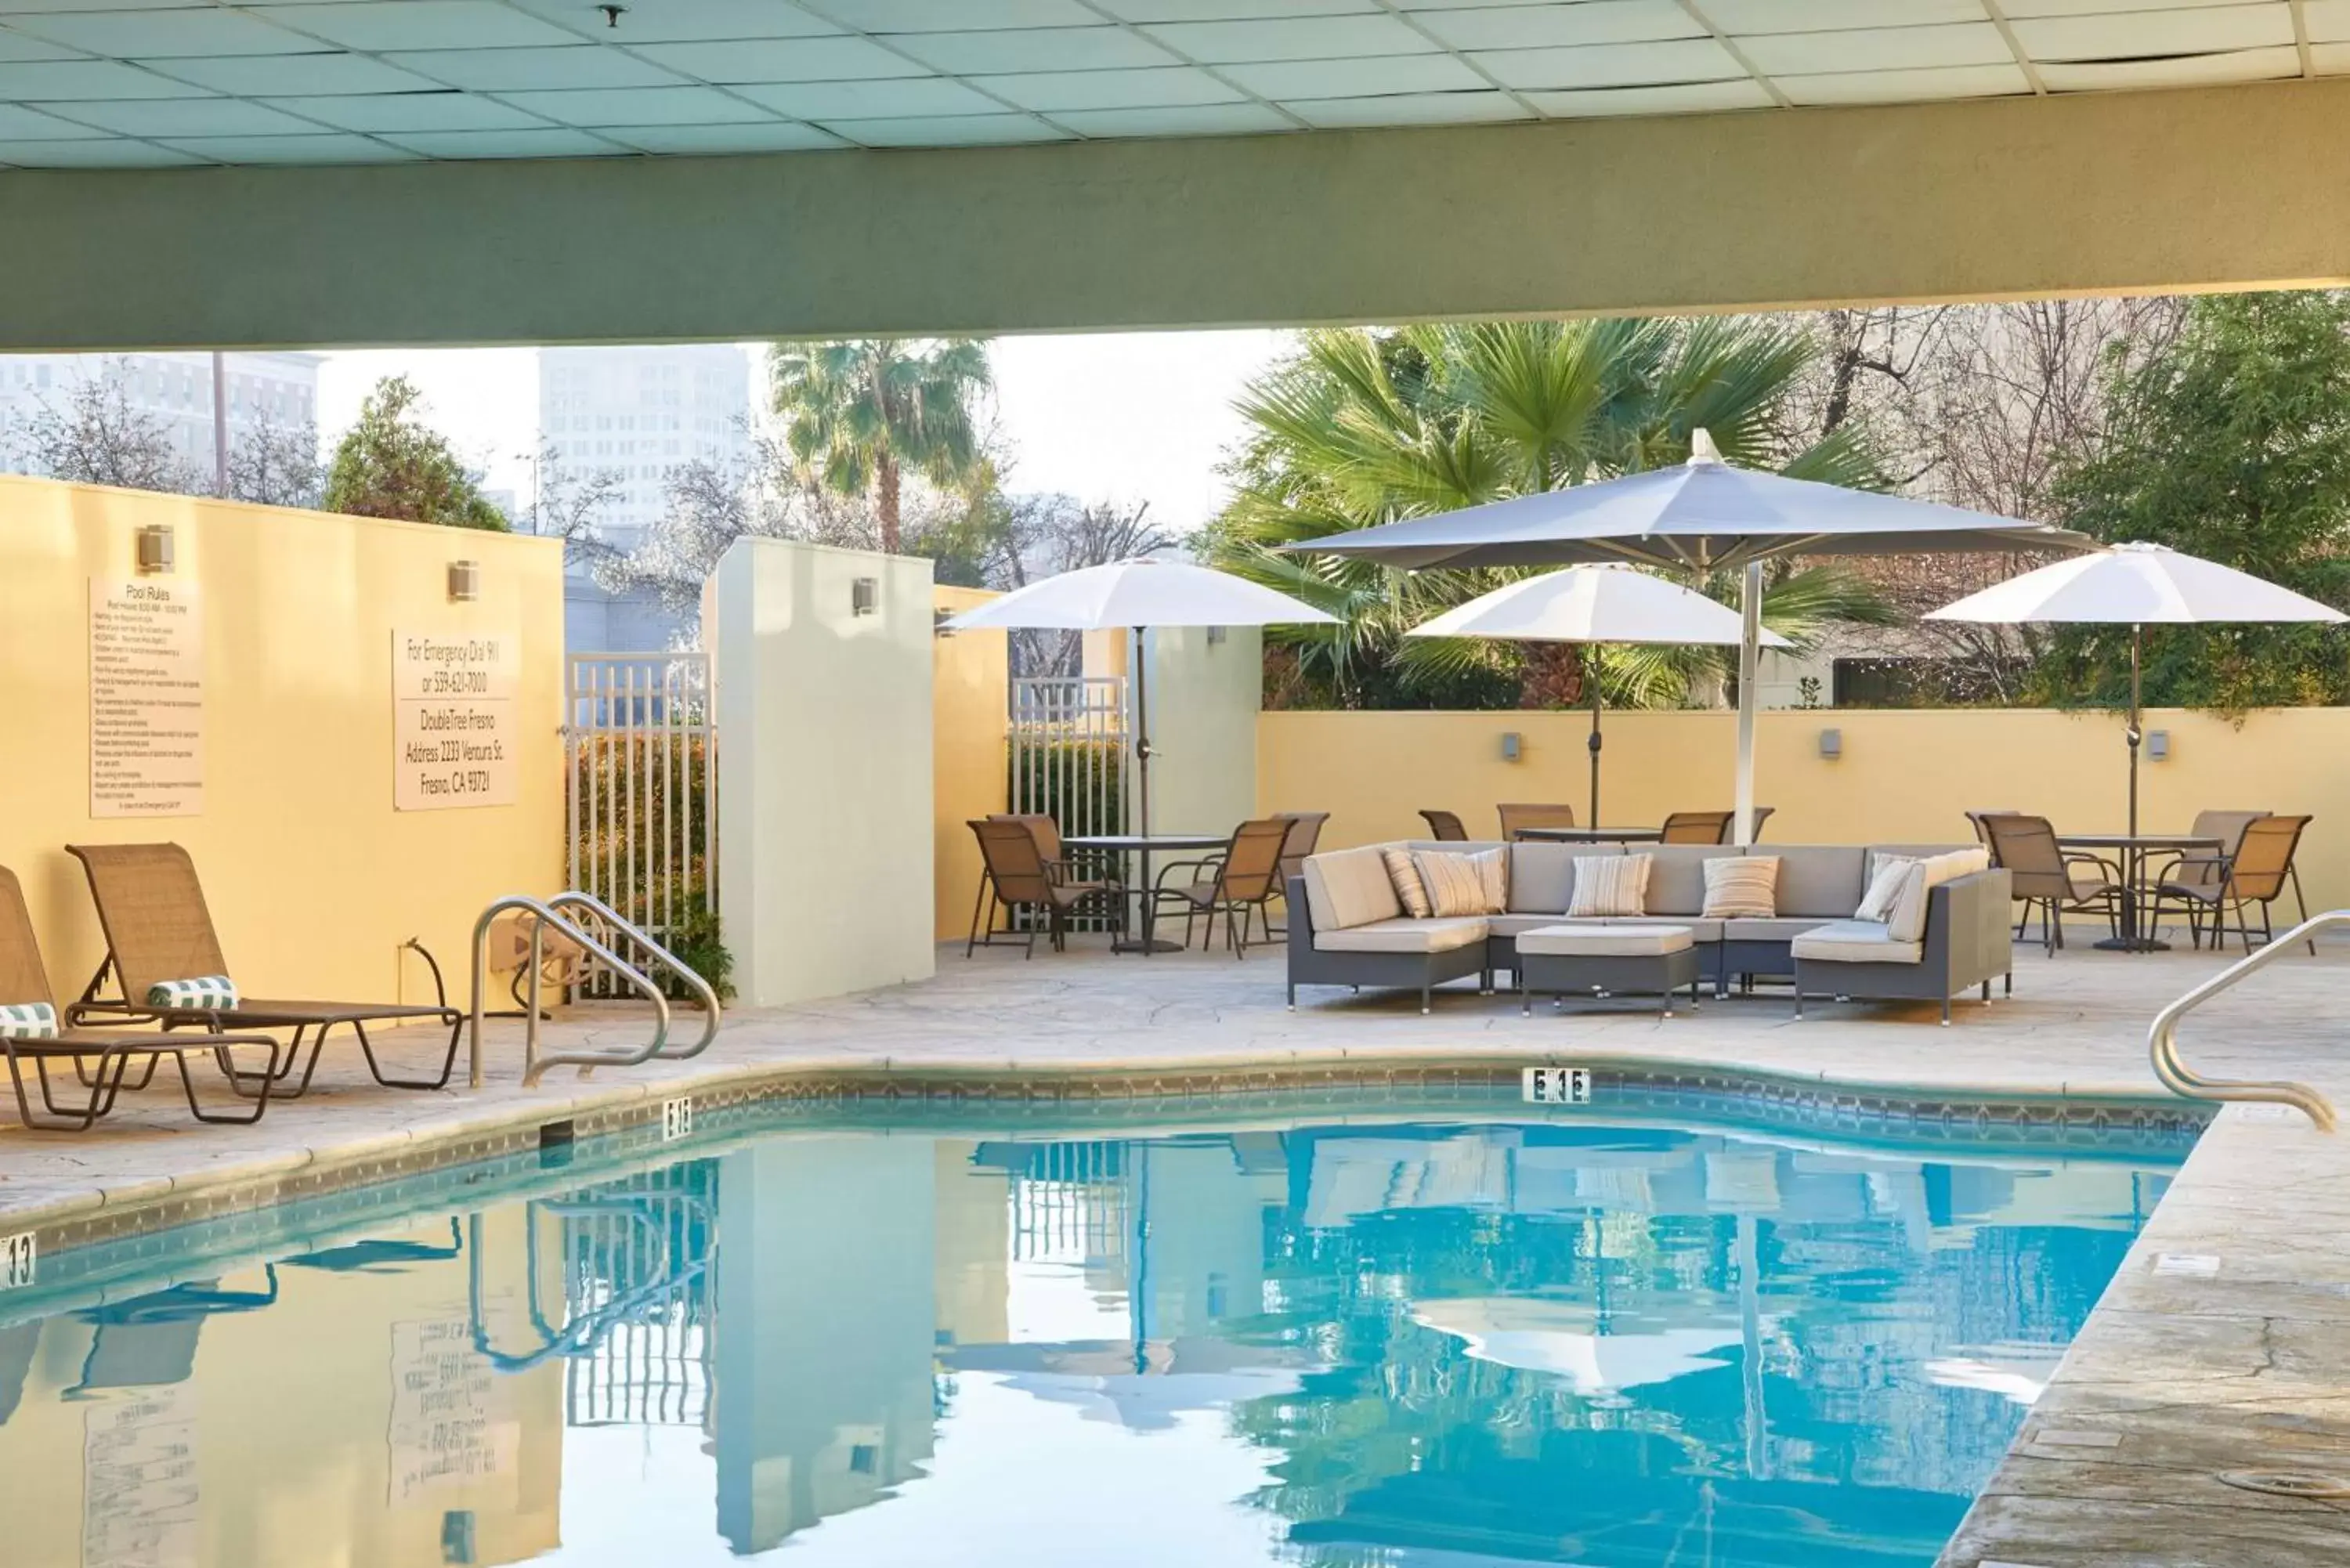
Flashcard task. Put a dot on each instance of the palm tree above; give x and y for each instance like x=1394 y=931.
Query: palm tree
x=1362 y=428
x=859 y=412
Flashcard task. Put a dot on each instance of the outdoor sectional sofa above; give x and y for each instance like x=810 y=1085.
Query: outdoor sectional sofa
x=1347 y=926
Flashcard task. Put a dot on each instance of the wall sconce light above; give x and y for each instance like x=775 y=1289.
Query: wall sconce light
x=1513 y=746
x=465 y=582
x=938 y=618
x=2157 y=745
x=155 y=550
x=1217 y=634
x=865 y=597
x=1831 y=742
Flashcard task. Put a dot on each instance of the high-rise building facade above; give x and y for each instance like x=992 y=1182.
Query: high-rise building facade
x=642 y=414
x=278 y=390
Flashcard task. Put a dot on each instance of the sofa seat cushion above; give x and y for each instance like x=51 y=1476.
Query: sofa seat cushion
x=1855 y=942
x=1349 y=888
x=1700 y=929
x=1779 y=929
x=1583 y=939
x=1402 y=936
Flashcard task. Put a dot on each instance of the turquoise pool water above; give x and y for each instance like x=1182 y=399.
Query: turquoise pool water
x=1436 y=1342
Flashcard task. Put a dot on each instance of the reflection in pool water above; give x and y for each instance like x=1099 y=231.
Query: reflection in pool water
x=1428 y=1344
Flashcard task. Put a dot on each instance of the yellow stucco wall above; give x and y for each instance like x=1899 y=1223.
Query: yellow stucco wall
x=312 y=878
x=1904 y=775
x=970 y=677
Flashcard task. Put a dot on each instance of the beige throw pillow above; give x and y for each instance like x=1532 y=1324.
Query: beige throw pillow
x=1453 y=886
x=1885 y=888
x=1742 y=887
x=1407 y=885
x=1610 y=885
x=1907 y=921
x=1492 y=868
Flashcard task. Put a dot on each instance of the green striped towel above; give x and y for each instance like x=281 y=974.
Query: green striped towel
x=28 y=1021
x=208 y=992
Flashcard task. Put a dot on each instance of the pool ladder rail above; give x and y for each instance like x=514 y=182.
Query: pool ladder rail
x=2162 y=1039
x=572 y=914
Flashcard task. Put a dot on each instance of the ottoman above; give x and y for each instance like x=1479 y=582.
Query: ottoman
x=1652 y=960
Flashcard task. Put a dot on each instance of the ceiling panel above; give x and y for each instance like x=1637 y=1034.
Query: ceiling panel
x=1694 y=98
x=1879 y=49
x=182 y=117
x=2178 y=70
x=1356 y=79
x=418 y=24
x=681 y=21
x=1409 y=109
x=953 y=15
x=956 y=130
x=772 y=136
x=924 y=97
x=1035 y=50
x=287 y=76
x=1741 y=17
x=327 y=148
x=1292 y=38
x=2330 y=59
x=2327 y=20
x=1548 y=26
x=501 y=70
x=1188 y=120
x=29 y=124
x=638 y=105
x=41 y=79
x=1052 y=90
x=2147 y=34
x=208 y=30
x=2015 y=9
x=411 y=112
x=111 y=152
x=1905 y=87
x=24 y=46
x=469 y=144
x=781 y=60
x=1614 y=65
x=1231 y=10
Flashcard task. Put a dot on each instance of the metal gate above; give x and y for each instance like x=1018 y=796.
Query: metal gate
x=640 y=740
x=1068 y=750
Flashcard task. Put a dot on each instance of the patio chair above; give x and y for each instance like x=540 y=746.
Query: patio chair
x=2202 y=869
x=1444 y=826
x=1517 y=818
x=2055 y=880
x=1982 y=834
x=1018 y=877
x=151 y=906
x=1241 y=881
x=24 y=982
x=1707 y=827
x=2209 y=886
x=1059 y=863
x=1305 y=833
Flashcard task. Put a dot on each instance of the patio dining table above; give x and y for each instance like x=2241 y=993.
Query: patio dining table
x=2139 y=935
x=1142 y=846
x=1593 y=835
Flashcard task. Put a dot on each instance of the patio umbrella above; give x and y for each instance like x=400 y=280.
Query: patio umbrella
x=1702 y=515
x=1590 y=605
x=1137 y=595
x=2135 y=584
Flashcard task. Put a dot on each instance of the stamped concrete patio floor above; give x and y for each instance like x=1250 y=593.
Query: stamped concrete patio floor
x=2202 y=1417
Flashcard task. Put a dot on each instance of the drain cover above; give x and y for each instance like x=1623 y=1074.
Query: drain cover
x=2289 y=1483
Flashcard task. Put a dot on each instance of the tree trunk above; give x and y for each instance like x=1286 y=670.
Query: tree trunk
x=886 y=482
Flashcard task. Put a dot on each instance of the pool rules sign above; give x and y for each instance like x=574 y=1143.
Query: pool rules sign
x=146 y=698
x=453 y=739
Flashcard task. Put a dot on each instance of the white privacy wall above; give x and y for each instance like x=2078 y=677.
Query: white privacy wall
x=823 y=773
x=1204 y=693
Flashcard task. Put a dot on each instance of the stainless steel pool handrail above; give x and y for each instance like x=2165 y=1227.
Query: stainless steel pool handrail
x=2162 y=1039
x=533 y=1065
x=642 y=941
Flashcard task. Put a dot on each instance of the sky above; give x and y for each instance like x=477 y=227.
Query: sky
x=1126 y=417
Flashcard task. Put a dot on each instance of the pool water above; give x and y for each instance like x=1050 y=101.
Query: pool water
x=1429 y=1343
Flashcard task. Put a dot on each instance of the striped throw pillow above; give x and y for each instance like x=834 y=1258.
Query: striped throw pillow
x=1492 y=868
x=210 y=992
x=1610 y=885
x=1742 y=887
x=1453 y=883
x=1409 y=890
x=28 y=1021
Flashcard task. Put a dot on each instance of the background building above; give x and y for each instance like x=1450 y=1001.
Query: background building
x=280 y=390
x=639 y=415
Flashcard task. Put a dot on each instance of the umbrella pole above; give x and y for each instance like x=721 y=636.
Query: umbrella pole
x=1591 y=680
x=2134 y=735
x=1750 y=654
x=1142 y=733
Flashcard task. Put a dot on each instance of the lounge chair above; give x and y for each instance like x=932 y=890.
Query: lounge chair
x=24 y=982
x=158 y=930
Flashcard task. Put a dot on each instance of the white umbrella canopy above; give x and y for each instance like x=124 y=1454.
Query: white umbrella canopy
x=2135 y=584
x=1592 y=604
x=1704 y=515
x=1139 y=594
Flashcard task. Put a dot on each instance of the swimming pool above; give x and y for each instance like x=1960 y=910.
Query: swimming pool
x=1488 y=1335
